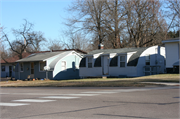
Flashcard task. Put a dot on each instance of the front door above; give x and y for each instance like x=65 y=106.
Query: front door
x=32 y=69
x=105 y=65
x=10 y=71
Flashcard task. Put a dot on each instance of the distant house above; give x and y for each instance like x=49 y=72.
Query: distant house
x=124 y=62
x=8 y=65
x=62 y=64
x=172 y=55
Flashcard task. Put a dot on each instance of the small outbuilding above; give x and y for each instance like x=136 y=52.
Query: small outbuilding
x=124 y=62
x=172 y=55
x=51 y=65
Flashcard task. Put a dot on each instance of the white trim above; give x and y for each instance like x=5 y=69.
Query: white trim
x=77 y=54
x=122 y=61
x=90 y=62
x=112 y=55
x=97 y=55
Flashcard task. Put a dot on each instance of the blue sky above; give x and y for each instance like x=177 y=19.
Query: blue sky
x=46 y=15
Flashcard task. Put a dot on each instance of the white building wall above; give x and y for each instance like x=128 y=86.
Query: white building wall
x=128 y=71
x=90 y=72
x=157 y=57
x=172 y=54
x=72 y=67
x=162 y=60
x=49 y=60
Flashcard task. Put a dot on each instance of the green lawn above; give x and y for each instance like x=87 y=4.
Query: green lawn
x=96 y=82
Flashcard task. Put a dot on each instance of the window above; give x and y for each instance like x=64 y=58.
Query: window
x=14 y=68
x=21 y=66
x=89 y=62
x=122 y=61
x=63 y=65
x=148 y=60
x=42 y=65
x=2 y=68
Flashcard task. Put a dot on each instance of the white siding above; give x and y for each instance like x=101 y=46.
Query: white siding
x=70 y=71
x=128 y=71
x=157 y=55
x=156 y=58
x=90 y=72
x=172 y=54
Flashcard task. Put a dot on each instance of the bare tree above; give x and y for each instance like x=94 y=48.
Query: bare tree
x=74 y=40
x=4 y=53
x=173 y=13
x=55 y=45
x=89 y=17
x=143 y=22
x=24 y=37
x=36 y=39
x=115 y=21
x=120 y=23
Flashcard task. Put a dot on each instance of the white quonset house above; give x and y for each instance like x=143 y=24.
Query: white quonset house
x=51 y=65
x=172 y=55
x=124 y=62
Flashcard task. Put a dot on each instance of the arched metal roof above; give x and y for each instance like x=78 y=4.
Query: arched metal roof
x=133 y=60
x=114 y=61
x=83 y=62
x=97 y=62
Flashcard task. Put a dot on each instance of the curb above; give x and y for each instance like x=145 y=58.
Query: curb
x=169 y=84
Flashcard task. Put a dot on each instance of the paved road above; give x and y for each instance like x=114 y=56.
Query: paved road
x=90 y=103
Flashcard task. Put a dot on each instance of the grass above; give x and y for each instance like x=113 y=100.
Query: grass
x=96 y=82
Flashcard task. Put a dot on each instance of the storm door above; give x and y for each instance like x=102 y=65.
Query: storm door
x=105 y=65
x=32 y=69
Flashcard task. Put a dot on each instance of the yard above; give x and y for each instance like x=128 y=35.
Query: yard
x=97 y=82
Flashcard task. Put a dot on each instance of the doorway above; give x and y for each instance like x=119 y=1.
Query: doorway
x=10 y=71
x=105 y=65
x=32 y=70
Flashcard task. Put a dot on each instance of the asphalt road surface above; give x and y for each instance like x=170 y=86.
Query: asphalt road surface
x=90 y=103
